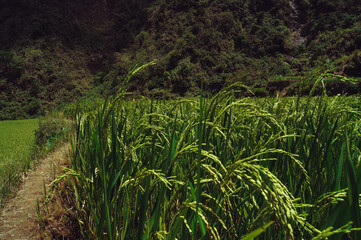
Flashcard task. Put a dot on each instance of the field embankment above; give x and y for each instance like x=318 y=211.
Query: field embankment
x=19 y=218
x=24 y=142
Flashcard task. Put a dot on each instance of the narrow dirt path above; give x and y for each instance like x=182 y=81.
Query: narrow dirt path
x=18 y=219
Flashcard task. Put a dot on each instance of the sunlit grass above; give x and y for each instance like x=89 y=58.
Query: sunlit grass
x=16 y=145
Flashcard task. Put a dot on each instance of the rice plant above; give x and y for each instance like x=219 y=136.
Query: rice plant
x=220 y=168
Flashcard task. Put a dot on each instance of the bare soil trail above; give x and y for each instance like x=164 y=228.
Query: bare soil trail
x=18 y=219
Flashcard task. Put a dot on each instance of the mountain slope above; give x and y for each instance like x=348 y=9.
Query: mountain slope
x=55 y=51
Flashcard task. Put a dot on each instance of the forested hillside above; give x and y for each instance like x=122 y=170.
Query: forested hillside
x=56 y=51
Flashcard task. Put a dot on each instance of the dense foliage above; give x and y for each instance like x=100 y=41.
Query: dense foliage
x=54 y=51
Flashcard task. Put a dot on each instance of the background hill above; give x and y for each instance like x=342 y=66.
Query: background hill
x=57 y=51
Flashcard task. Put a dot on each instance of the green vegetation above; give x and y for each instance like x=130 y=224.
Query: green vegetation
x=36 y=79
x=17 y=139
x=53 y=129
x=213 y=164
x=221 y=168
x=24 y=142
x=57 y=51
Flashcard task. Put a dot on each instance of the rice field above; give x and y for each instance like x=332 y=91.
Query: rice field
x=220 y=168
x=16 y=142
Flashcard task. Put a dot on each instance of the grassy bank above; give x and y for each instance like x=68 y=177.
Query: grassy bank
x=17 y=139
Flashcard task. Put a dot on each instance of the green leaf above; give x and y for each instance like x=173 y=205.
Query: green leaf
x=257 y=232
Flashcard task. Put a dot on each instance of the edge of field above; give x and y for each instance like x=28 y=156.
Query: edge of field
x=20 y=215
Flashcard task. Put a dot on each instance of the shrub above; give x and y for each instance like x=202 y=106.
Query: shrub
x=52 y=128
